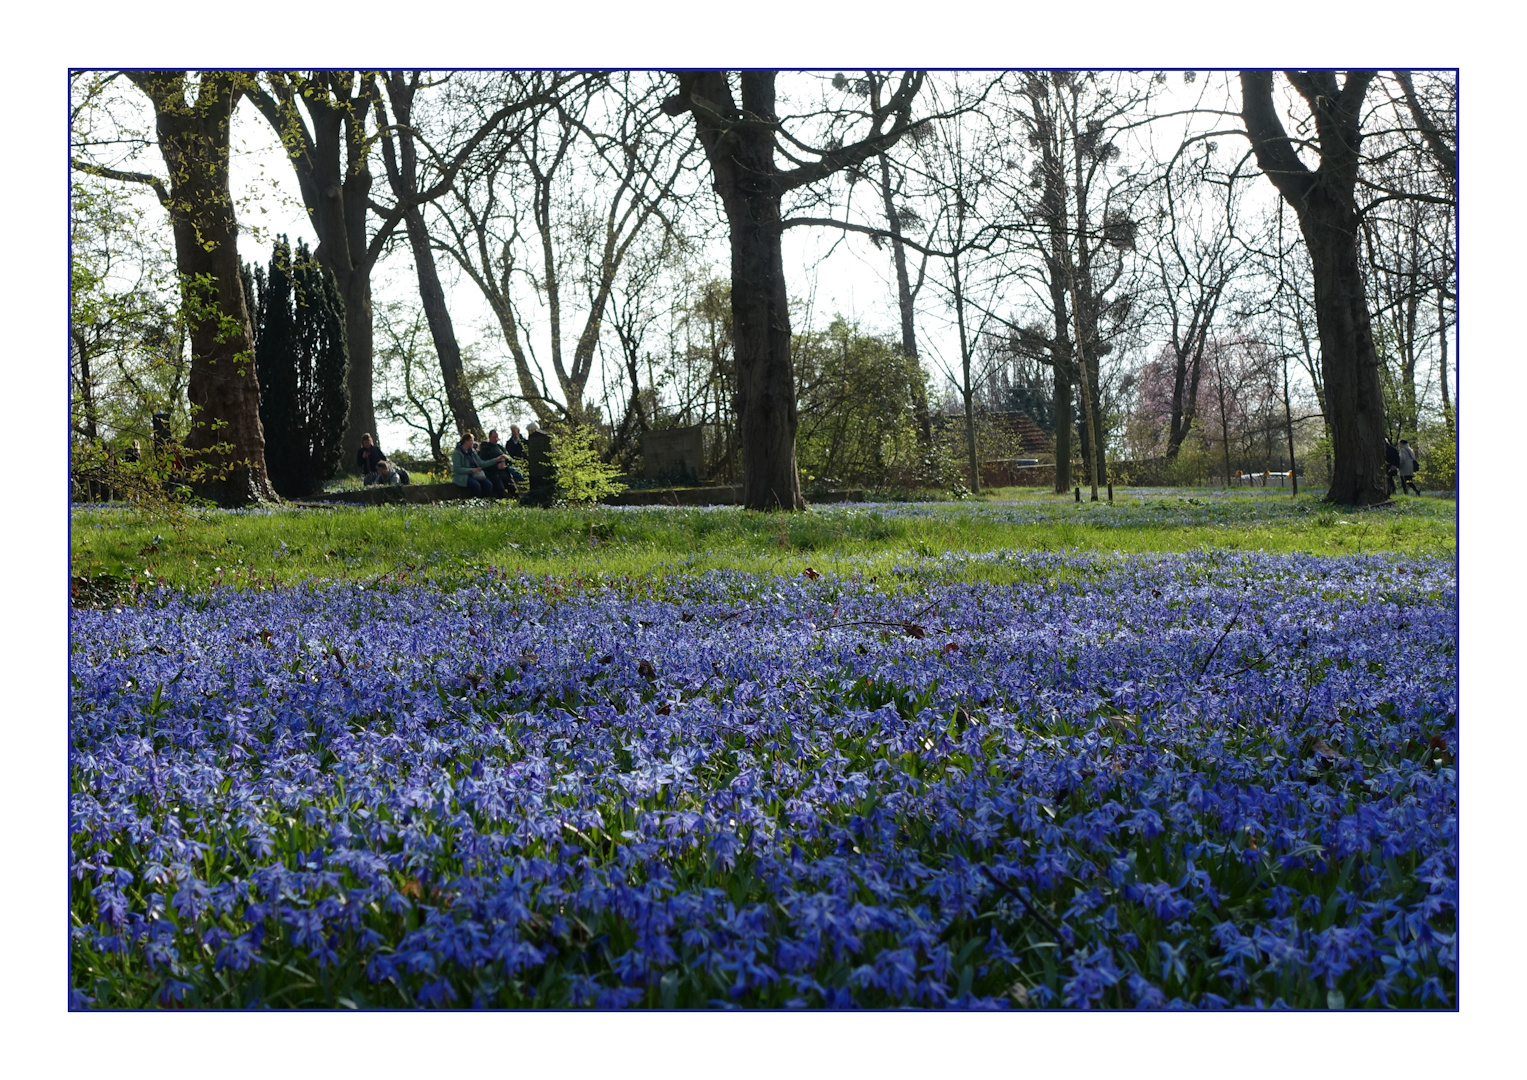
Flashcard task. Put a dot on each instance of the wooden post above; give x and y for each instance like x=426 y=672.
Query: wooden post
x=1078 y=493
x=1110 y=491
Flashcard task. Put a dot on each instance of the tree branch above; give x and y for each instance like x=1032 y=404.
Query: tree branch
x=128 y=177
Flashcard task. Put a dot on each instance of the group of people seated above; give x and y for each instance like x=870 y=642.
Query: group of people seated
x=491 y=467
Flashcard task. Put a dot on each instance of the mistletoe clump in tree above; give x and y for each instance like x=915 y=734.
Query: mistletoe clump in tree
x=302 y=362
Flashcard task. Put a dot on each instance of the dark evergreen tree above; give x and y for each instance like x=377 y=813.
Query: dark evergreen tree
x=321 y=338
x=302 y=363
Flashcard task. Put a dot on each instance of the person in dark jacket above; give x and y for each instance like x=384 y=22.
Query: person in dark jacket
x=467 y=468
x=367 y=456
x=515 y=447
x=501 y=472
x=1391 y=463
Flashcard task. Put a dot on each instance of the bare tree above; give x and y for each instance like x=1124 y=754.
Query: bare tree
x=1197 y=256
x=1072 y=204
x=545 y=218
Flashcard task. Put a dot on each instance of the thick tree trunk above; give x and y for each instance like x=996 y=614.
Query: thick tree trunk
x=767 y=419
x=1063 y=406
x=740 y=146
x=355 y=288
x=742 y=161
x=226 y=438
x=1354 y=392
x=1323 y=200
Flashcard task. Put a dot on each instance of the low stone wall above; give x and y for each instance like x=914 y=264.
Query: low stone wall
x=403 y=493
x=724 y=495
x=1004 y=474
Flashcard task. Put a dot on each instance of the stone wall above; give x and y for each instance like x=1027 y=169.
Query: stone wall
x=675 y=452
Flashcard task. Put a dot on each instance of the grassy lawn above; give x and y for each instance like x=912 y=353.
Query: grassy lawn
x=458 y=542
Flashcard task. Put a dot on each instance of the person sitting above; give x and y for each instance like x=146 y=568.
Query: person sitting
x=503 y=474
x=367 y=456
x=387 y=474
x=467 y=468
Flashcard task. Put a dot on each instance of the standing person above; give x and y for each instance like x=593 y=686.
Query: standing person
x=1391 y=463
x=1408 y=468
x=467 y=468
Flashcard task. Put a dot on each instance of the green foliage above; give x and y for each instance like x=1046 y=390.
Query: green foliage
x=854 y=395
x=301 y=357
x=583 y=478
x=126 y=333
x=1437 y=455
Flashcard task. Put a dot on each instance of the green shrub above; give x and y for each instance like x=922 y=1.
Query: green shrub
x=582 y=477
x=1437 y=458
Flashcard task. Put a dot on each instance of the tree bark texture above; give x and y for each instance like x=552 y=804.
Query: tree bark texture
x=1064 y=381
x=1322 y=199
x=224 y=389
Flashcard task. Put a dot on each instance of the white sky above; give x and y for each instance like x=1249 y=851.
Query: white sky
x=42 y=42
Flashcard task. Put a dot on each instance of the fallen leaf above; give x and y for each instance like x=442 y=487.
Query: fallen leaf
x=913 y=630
x=646 y=670
x=809 y=572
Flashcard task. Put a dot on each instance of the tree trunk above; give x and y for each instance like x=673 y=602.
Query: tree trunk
x=967 y=389
x=403 y=175
x=740 y=146
x=742 y=161
x=226 y=438
x=355 y=288
x=457 y=393
x=1353 y=390
x=1063 y=408
x=904 y=303
x=1323 y=200
x=767 y=419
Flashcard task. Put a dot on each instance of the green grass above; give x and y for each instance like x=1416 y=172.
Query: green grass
x=458 y=541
